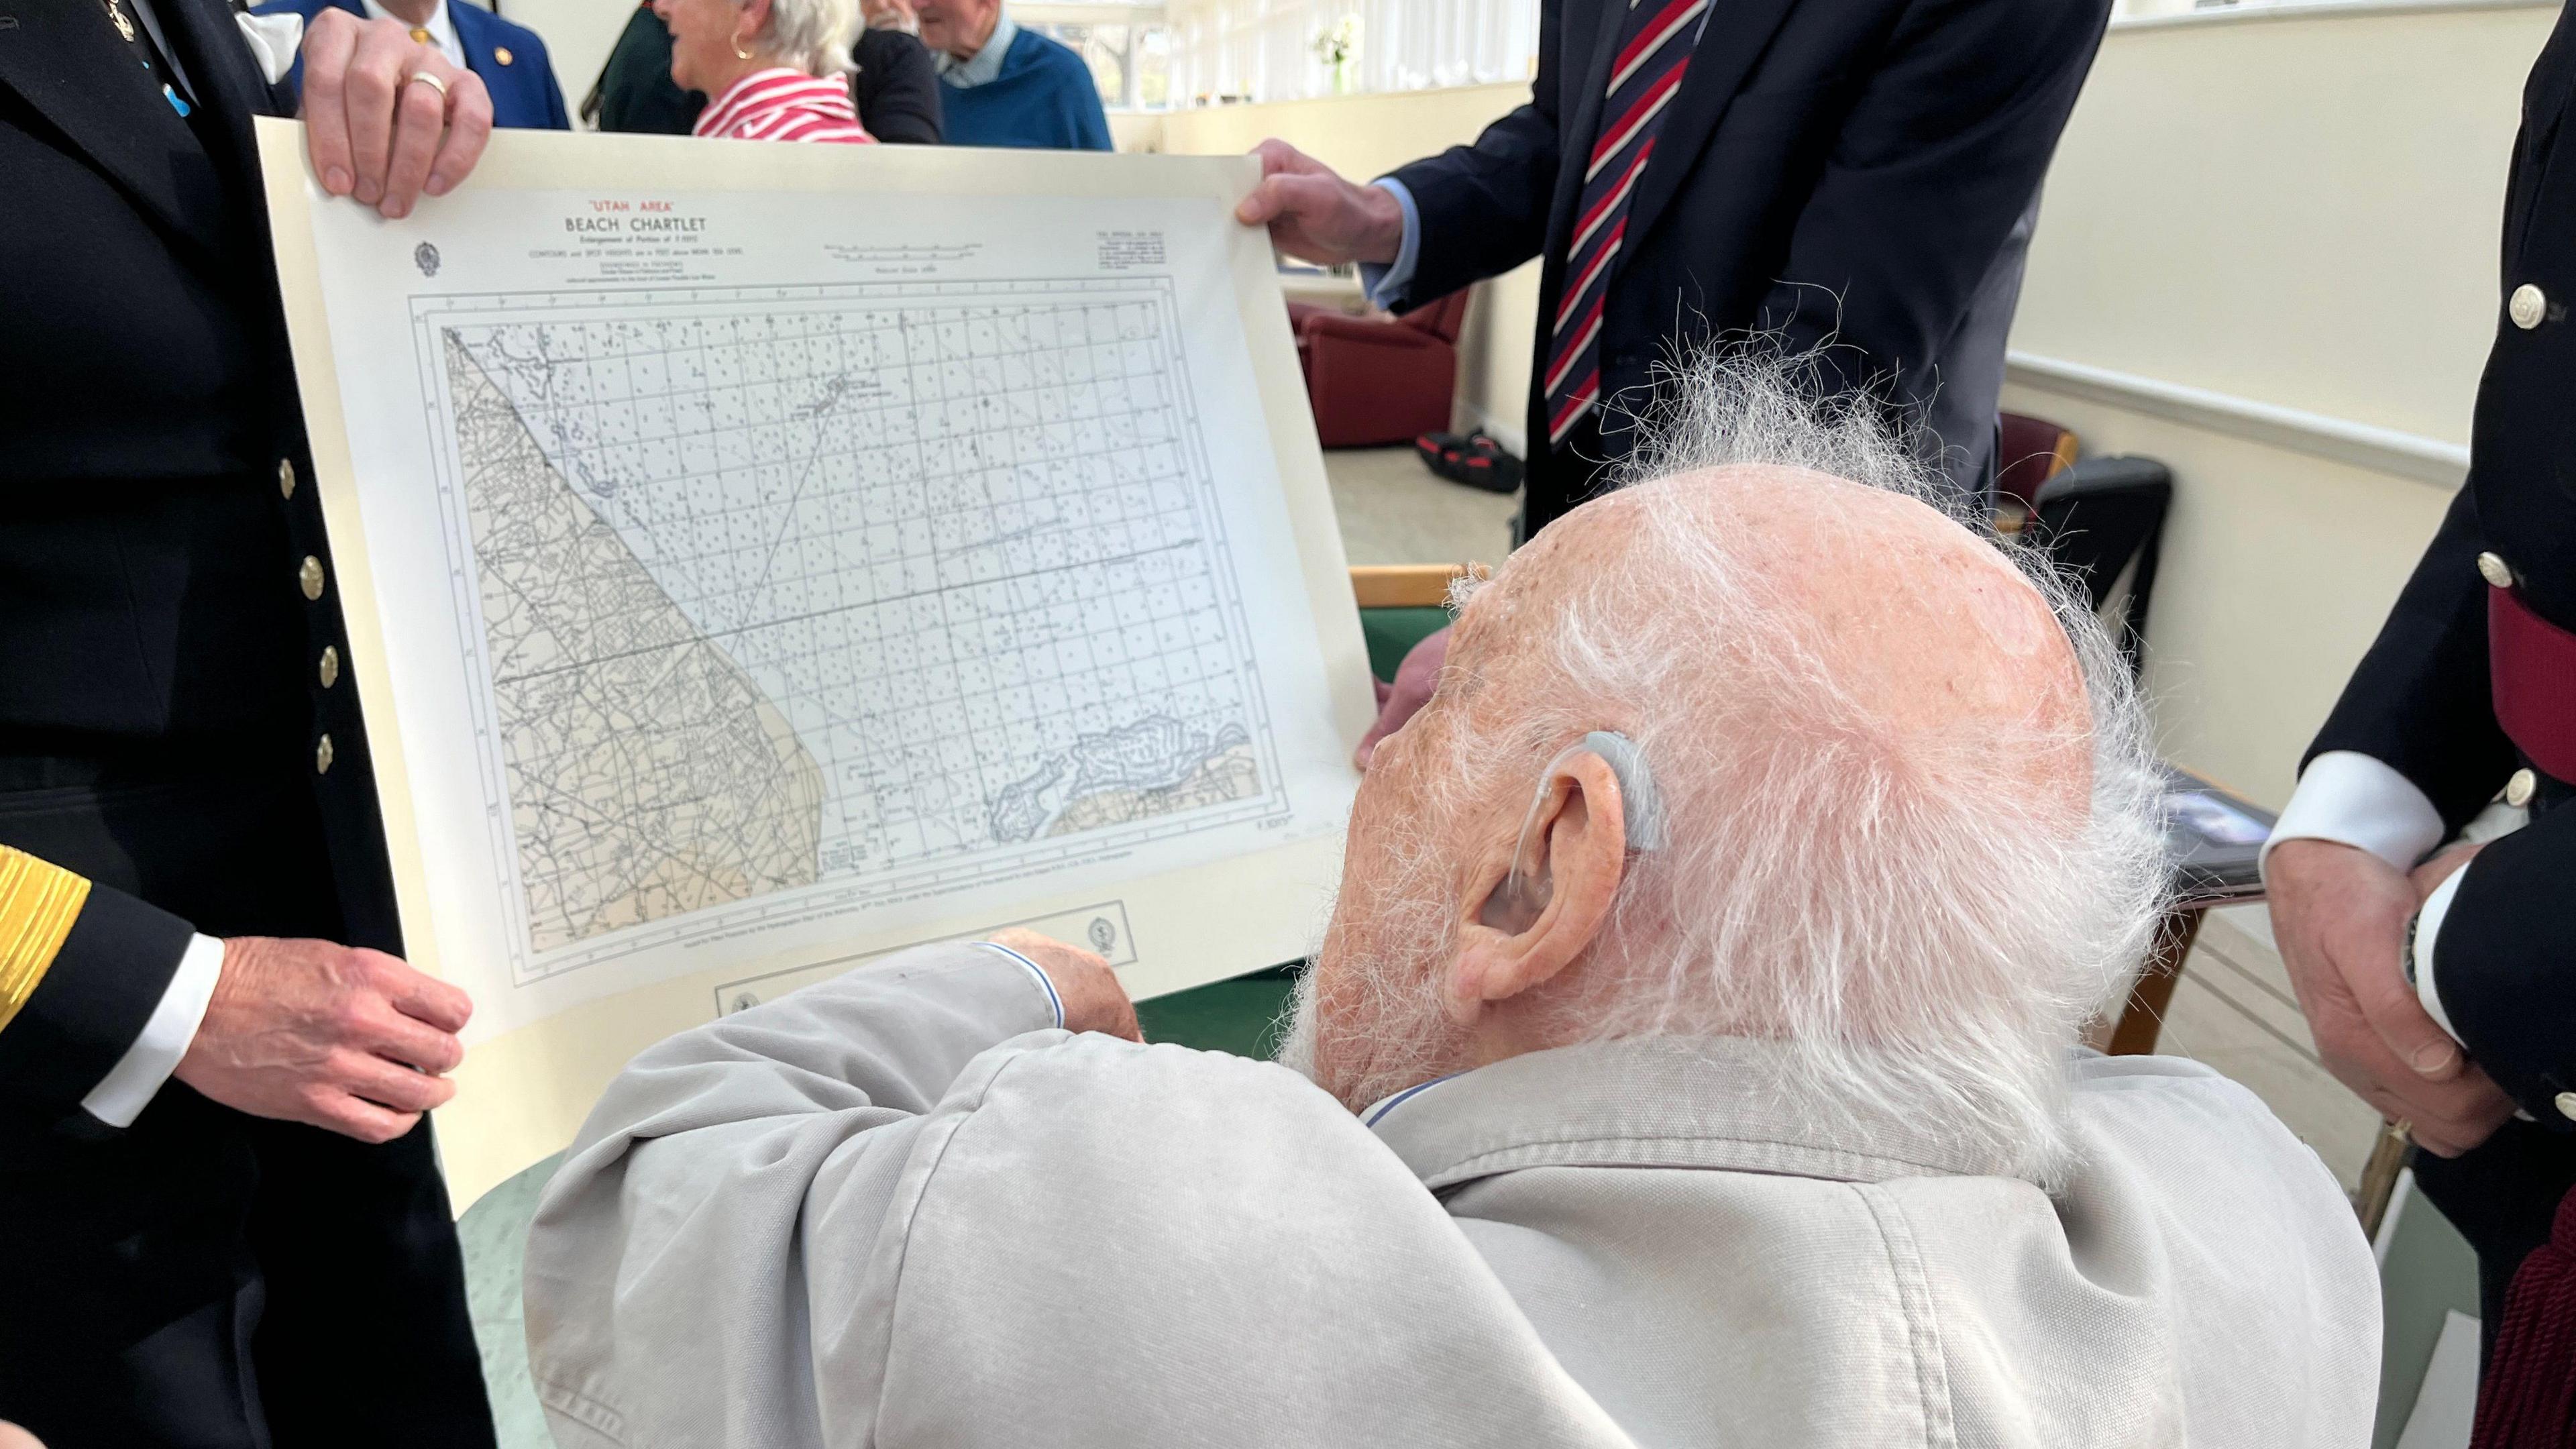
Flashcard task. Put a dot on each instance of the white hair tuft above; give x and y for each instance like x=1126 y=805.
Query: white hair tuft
x=813 y=35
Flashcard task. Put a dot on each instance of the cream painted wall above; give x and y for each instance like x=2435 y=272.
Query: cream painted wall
x=2277 y=568
x=1365 y=136
x=2299 y=209
x=2296 y=211
x=1361 y=136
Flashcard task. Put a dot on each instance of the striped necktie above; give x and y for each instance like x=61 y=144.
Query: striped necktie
x=1655 y=46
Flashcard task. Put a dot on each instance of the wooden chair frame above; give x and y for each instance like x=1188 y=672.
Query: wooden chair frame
x=1405 y=586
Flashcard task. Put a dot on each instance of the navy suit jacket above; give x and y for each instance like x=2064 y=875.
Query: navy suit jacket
x=510 y=59
x=1843 y=170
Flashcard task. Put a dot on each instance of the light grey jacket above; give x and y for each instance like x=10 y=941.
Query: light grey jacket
x=903 y=1208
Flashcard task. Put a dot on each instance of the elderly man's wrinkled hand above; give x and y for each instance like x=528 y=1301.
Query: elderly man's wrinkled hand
x=1093 y=998
x=2340 y=916
x=350 y=1040
x=1313 y=213
x=386 y=117
x=2428 y=877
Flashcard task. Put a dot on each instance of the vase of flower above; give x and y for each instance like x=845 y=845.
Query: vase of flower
x=1339 y=48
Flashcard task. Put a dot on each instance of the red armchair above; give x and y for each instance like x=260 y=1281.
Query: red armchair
x=1379 y=380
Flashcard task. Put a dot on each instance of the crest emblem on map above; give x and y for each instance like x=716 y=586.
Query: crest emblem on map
x=1103 y=935
x=425 y=257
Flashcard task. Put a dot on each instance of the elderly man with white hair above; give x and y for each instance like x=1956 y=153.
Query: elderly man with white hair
x=1696 y=1031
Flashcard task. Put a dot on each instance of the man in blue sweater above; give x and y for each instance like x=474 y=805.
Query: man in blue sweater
x=1004 y=86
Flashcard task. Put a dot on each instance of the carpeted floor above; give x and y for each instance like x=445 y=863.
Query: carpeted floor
x=1393 y=511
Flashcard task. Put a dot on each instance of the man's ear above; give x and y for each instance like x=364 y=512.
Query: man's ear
x=1524 y=921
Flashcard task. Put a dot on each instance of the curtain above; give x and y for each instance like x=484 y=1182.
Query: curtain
x=1265 y=49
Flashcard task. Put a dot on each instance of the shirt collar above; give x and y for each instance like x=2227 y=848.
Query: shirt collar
x=1707 y=1102
x=440 y=25
x=987 y=64
x=1373 y=1115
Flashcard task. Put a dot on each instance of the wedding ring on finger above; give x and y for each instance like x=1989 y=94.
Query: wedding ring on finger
x=431 y=81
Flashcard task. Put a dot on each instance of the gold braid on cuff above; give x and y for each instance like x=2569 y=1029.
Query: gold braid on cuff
x=38 y=903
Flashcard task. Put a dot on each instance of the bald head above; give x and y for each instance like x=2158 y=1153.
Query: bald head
x=1925 y=626
x=1894 y=618
x=1909 y=824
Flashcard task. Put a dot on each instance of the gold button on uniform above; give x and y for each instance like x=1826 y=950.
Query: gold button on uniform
x=309 y=577
x=330 y=665
x=2517 y=791
x=2492 y=568
x=286 y=477
x=322 y=756
x=2527 y=306
x=501 y=53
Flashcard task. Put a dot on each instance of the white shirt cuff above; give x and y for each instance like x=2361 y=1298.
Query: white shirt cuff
x=1391 y=280
x=2355 y=800
x=2428 y=924
x=129 y=1086
x=1044 y=984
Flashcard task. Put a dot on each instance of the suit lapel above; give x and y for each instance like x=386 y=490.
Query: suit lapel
x=228 y=81
x=1738 y=31
x=1606 y=15
x=65 y=76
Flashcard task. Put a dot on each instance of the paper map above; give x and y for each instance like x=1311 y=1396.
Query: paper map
x=786 y=551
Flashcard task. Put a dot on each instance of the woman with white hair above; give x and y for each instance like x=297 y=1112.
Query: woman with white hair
x=778 y=70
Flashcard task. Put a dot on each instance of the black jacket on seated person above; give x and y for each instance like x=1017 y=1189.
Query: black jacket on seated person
x=894 y=87
x=1833 y=169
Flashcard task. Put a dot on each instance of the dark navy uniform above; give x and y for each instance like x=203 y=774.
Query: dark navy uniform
x=2470 y=692
x=180 y=753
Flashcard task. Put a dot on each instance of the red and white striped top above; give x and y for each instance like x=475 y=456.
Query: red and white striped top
x=784 y=105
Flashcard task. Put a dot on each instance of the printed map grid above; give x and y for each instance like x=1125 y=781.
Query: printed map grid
x=1042 y=561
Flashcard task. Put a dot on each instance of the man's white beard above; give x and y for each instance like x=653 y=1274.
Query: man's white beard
x=1297 y=1043
x=1396 y=1034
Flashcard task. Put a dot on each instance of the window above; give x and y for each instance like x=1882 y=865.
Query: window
x=1267 y=50
x=1209 y=52
x=1127 y=47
